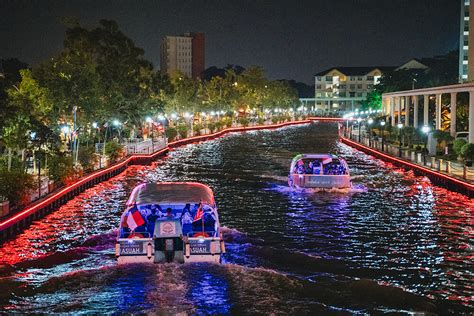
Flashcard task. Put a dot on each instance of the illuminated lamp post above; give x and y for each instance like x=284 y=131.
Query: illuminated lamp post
x=117 y=124
x=382 y=124
x=65 y=130
x=425 y=129
x=370 y=121
x=359 y=120
x=189 y=116
x=400 y=126
x=149 y=120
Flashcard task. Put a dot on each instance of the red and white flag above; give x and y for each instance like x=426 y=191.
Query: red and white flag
x=134 y=219
x=198 y=215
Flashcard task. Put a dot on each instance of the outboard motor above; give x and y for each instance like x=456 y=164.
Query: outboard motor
x=168 y=241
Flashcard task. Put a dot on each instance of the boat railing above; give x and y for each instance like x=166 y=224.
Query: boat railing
x=212 y=234
x=134 y=234
x=320 y=174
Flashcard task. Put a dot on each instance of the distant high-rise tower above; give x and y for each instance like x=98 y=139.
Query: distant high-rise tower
x=466 y=51
x=183 y=53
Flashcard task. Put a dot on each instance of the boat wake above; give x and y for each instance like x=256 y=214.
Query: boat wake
x=358 y=188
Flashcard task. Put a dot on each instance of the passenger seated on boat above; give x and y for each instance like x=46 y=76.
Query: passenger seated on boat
x=209 y=222
x=316 y=167
x=309 y=170
x=186 y=220
x=169 y=212
x=124 y=230
x=152 y=220
x=300 y=167
x=157 y=209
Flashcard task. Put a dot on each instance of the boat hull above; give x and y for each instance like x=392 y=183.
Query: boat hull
x=319 y=181
x=147 y=250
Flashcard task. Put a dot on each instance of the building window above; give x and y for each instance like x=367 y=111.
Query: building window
x=342 y=86
x=318 y=95
x=318 y=78
x=370 y=78
x=352 y=94
x=328 y=78
x=318 y=87
x=352 y=78
x=352 y=86
x=342 y=94
x=359 y=94
x=359 y=86
x=359 y=78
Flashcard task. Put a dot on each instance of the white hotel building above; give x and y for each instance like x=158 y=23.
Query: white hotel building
x=466 y=51
x=343 y=88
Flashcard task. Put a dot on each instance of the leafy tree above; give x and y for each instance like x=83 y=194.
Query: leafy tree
x=29 y=107
x=458 y=145
x=467 y=151
x=373 y=101
x=183 y=130
x=184 y=96
x=171 y=133
x=16 y=191
x=114 y=150
x=10 y=77
x=197 y=128
x=244 y=121
x=59 y=167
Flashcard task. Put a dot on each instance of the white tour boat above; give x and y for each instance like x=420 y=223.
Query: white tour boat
x=170 y=222
x=321 y=171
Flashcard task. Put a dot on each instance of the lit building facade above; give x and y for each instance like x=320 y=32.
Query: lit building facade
x=466 y=51
x=343 y=88
x=184 y=53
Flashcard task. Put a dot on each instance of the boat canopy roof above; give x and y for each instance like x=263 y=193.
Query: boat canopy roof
x=325 y=158
x=315 y=156
x=171 y=193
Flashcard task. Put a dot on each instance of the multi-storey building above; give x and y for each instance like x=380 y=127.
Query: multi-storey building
x=466 y=51
x=342 y=88
x=183 y=53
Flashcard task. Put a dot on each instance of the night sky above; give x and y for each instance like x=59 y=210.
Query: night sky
x=290 y=39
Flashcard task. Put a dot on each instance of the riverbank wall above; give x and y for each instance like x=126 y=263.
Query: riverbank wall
x=436 y=177
x=18 y=221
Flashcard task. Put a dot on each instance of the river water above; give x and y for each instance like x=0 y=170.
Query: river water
x=393 y=243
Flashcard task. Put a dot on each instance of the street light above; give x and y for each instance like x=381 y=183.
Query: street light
x=425 y=129
x=370 y=121
x=358 y=121
x=382 y=123
x=189 y=116
x=400 y=126
x=117 y=124
x=65 y=130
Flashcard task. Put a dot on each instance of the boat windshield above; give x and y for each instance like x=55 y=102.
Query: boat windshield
x=321 y=166
x=139 y=221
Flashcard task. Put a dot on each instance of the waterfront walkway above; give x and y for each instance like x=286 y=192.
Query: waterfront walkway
x=452 y=175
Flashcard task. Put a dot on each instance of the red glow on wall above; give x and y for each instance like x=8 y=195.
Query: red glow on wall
x=55 y=196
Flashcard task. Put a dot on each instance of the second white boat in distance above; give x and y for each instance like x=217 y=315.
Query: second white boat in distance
x=319 y=171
